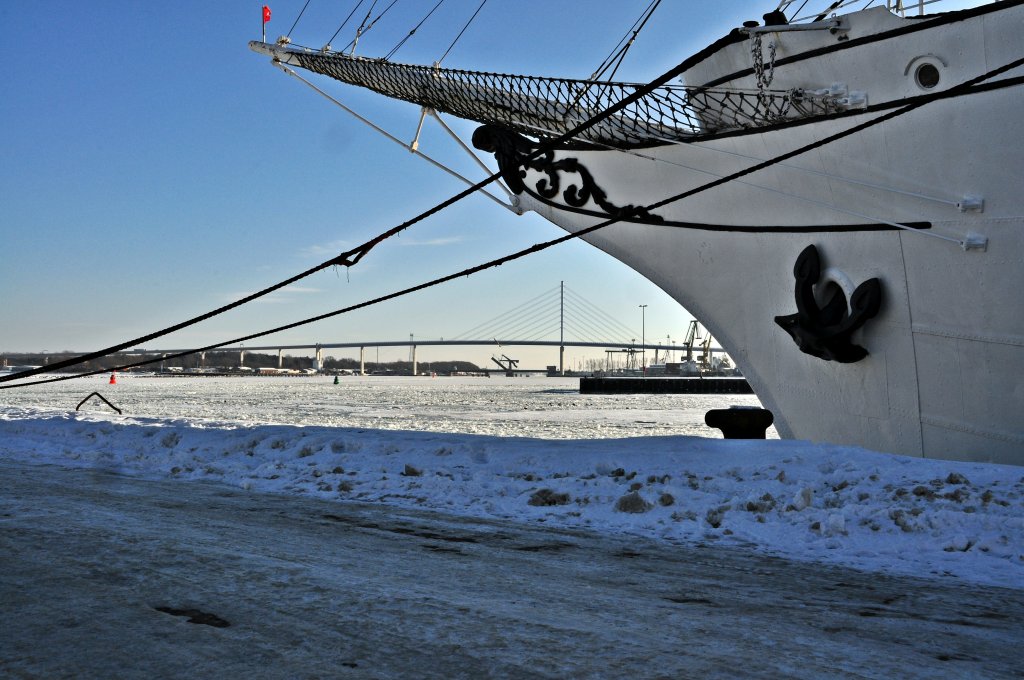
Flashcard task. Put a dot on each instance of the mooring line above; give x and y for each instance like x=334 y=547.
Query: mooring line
x=918 y=103
x=352 y=257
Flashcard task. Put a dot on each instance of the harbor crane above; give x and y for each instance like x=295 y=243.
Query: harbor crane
x=692 y=334
x=705 y=354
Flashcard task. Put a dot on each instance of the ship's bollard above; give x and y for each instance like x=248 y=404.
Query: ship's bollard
x=740 y=422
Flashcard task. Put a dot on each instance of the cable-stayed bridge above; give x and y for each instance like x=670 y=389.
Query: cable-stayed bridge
x=559 y=317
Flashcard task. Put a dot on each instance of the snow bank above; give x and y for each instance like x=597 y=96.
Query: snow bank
x=796 y=499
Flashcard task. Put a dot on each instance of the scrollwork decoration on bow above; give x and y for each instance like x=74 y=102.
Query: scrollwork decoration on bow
x=513 y=152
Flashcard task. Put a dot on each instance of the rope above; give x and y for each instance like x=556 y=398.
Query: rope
x=797 y=13
x=538 y=247
x=482 y=3
x=824 y=15
x=963 y=88
x=364 y=28
x=352 y=257
x=328 y=45
x=804 y=199
x=415 y=28
x=819 y=173
x=289 y=34
x=621 y=56
x=405 y=145
x=359 y=30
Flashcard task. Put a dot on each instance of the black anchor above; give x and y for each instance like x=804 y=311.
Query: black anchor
x=824 y=332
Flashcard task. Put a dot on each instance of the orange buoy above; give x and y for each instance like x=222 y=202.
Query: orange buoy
x=113 y=378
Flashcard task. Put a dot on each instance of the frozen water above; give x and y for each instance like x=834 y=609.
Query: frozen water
x=551 y=408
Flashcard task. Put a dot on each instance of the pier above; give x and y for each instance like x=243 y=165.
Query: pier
x=664 y=385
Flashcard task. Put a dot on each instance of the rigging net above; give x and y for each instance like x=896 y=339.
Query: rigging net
x=549 y=107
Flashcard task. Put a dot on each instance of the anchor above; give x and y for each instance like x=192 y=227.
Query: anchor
x=825 y=332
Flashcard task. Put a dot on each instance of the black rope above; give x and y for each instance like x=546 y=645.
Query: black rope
x=170 y=329
x=824 y=15
x=359 y=30
x=365 y=28
x=358 y=4
x=352 y=257
x=414 y=29
x=482 y=3
x=617 y=55
x=606 y=62
x=963 y=88
x=289 y=34
x=622 y=55
x=795 y=14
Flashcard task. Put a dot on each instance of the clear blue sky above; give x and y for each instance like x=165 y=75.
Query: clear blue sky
x=155 y=168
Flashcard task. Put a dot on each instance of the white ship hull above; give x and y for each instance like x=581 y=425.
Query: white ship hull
x=944 y=371
x=867 y=279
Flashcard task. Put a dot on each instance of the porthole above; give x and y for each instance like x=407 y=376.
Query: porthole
x=927 y=76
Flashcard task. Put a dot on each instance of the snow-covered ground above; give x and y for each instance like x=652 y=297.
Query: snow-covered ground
x=621 y=464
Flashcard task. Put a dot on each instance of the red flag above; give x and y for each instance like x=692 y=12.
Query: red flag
x=266 y=14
